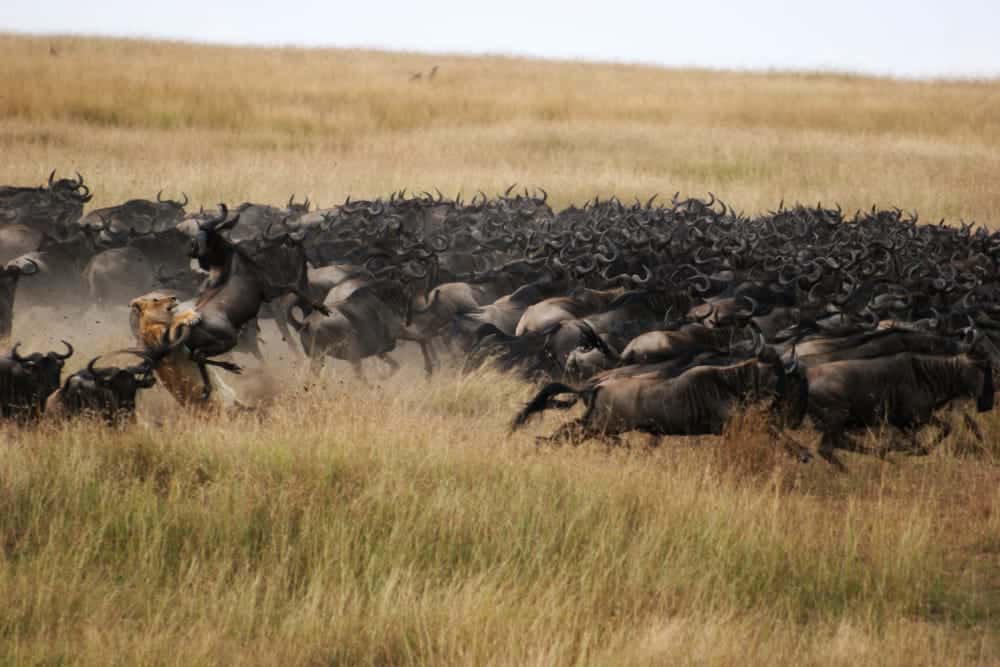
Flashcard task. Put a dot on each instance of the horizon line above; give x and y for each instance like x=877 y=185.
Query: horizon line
x=831 y=70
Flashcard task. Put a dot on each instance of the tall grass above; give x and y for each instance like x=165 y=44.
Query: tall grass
x=392 y=526
x=401 y=523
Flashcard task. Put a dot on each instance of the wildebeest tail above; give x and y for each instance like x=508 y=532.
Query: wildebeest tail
x=541 y=402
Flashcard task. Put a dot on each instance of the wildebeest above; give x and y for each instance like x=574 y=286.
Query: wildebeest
x=360 y=321
x=9 y=276
x=137 y=216
x=27 y=381
x=237 y=286
x=902 y=390
x=51 y=209
x=697 y=401
x=107 y=393
x=580 y=303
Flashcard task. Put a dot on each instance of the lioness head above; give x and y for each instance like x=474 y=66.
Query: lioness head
x=155 y=308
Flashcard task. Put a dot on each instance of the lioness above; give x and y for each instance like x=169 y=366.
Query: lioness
x=152 y=316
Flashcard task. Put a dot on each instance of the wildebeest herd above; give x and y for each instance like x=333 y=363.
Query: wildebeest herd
x=662 y=318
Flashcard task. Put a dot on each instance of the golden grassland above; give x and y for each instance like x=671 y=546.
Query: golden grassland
x=227 y=123
x=402 y=523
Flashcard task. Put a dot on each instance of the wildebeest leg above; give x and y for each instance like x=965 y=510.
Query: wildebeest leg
x=206 y=381
x=316 y=362
x=249 y=339
x=425 y=349
x=574 y=433
x=358 y=372
x=827 y=445
x=915 y=449
x=390 y=362
x=974 y=427
x=281 y=321
x=795 y=449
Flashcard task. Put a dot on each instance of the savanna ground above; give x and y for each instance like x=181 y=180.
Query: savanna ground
x=400 y=523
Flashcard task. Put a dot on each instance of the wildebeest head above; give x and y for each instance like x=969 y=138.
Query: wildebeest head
x=791 y=386
x=9 y=276
x=109 y=392
x=69 y=187
x=41 y=371
x=208 y=245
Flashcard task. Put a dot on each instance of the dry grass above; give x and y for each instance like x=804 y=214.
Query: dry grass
x=226 y=123
x=402 y=524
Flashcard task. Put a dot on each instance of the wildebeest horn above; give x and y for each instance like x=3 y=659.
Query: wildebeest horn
x=158 y=194
x=703 y=280
x=758 y=339
x=408 y=270
x=52 y=176
x=793 y=364
x=648 y=275
x=90 y=365
x=212 y=223
x=69 y=352
x=506 y=193
x=545 y=195
x=711 y=311
x=13 y=352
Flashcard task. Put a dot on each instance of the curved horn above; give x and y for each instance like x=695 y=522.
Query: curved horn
x=793 y=364
x=13 y=353
x=212 y=223
x=51 y=177
x=69 y=352
x=90 y=365
x=647 y=276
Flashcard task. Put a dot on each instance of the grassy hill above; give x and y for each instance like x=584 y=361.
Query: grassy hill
x=235 y=123
x=401 y=523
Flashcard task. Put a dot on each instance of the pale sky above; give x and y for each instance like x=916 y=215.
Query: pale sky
x=894 y=37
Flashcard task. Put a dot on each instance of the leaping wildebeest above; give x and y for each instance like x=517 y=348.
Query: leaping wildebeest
x=237 y=286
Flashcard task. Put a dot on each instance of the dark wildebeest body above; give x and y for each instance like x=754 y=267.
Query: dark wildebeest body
x=903 y=390
x=27 y=381
x=698 y=401
x=52 y=210
x=9 y=277
x=583 y=302
x=364 y=318
x=18 y=240
x=105 y=393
